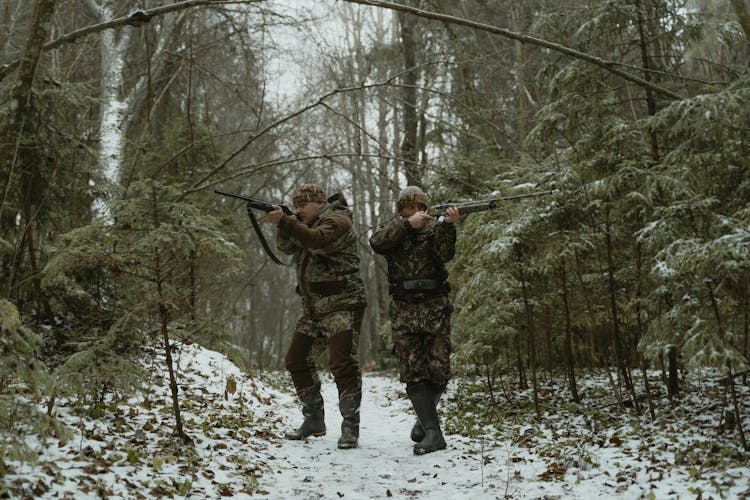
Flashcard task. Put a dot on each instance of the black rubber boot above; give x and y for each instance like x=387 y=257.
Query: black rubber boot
x=349 y=406
x=417 y=433
x=423 y=400
x=312 y=409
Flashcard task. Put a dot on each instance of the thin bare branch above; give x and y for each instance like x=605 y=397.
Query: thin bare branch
x=137 y=18
x=609 y=66
x=199 y=184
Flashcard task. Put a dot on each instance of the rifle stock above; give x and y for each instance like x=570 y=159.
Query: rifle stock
x=469 y=207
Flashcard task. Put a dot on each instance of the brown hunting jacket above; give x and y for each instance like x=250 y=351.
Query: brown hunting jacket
x=326 y=258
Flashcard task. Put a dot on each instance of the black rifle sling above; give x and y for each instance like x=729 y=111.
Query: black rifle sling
x=263 y=241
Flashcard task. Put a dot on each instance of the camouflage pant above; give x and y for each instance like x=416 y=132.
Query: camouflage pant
x=339 y=331
x=421 y=340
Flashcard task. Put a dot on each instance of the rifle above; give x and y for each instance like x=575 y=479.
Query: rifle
x=469 y=207
x=259 y=205
x=255 y=203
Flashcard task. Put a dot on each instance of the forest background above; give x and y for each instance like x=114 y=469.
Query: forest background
x=120 y=118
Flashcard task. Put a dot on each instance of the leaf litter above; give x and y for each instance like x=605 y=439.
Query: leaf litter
x=496 y=448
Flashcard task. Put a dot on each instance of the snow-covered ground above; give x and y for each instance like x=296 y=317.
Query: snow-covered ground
x=383 y=465
x=238 y=449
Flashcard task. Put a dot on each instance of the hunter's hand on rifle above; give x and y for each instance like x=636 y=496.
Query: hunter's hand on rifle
x=452 y=215
x=275 y=215
x=420 y=220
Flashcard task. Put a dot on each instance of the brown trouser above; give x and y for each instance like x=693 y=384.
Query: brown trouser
x=340 y=332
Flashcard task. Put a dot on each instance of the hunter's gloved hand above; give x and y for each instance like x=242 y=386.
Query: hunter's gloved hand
x=275 y=215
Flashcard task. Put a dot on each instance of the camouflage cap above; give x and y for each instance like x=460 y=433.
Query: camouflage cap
x=410 y=195
x=308 y=192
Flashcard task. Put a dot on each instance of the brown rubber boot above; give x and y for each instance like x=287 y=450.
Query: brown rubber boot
x=349 y=406
x=312 y=409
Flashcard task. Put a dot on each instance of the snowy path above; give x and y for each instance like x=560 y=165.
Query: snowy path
x=238 y=451
x=383 y=465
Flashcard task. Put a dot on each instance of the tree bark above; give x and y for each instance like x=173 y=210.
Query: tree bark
x=569 y=361
x=409 y=104
x=522 y=383
x=531 y=343
x=617 y=338
x=673 y=382
x=523 y=98
x=639 y=324
x=14 y=150
x=743 y=16
x=646 y=61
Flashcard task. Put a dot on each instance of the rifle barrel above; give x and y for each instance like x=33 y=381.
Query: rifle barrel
x=469 y=207
x=232 y=195
x=266 y=206
x=525 y=195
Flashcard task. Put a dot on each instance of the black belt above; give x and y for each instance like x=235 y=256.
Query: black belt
x=327 y=287
x=421 y=284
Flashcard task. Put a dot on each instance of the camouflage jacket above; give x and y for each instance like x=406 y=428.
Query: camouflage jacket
x=416 y=257
x=326 y=258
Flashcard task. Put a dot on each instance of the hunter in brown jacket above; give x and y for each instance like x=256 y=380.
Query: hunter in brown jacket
x=323 y=244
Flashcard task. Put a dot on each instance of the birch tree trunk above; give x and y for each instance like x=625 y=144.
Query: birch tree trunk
x=114 y=107
x=118 y=106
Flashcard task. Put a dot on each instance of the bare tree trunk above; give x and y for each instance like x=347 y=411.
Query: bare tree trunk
x=745 y=328
x=14 y=152
x=737 y=409
x=647 y=66
x=409 y=91
x=639 y=327
x=597 y=359
x=249 y=341
x=569 y=361
x=531 y=344
x=488 y=378
x=617 y=340
x=523 y=97
x=614 y=385
x=386 y=206
x=522 y=383
x=730 y=376
x=673 y=382
x=164 y=319
x=743 y=16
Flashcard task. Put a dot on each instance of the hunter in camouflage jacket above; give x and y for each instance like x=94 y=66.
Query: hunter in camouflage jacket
x=323 y=244
x=326 y=260
x=420 y=308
